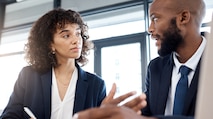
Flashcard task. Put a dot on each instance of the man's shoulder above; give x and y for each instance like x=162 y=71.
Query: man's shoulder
x=161 y=61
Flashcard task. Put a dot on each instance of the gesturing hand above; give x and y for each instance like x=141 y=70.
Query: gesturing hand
x=109 y=112
x=109 y=108
x=136 y=103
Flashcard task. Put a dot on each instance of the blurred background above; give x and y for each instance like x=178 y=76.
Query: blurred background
x=118 y=29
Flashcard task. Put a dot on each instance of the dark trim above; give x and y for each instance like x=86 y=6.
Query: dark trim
x=119 y=40
x=146 y=18
x=206 y=24
x=144 y=61
x=146 y=13
x=7 y=1
x=97 y=60
x=56 y=3
x=2 y=15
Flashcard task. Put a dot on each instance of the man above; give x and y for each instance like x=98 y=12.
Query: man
x=175 y=25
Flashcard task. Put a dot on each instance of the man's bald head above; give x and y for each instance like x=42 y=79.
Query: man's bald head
x=196 y=7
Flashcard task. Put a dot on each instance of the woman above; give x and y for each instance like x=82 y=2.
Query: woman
x=54 y=86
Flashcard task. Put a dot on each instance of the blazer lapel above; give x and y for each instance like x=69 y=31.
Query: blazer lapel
x=46 y=80
x=164 y=86
x=81 y=91
x=192 y=91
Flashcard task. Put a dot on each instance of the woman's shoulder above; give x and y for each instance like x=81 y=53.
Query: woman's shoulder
x=93 y=75
x=29 y=70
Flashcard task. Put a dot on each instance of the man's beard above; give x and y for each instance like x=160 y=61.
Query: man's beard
x=171 y=39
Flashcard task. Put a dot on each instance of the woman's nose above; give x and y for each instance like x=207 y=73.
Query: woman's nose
x=75 y=40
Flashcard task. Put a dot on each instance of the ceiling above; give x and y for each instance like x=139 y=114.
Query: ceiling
x=29 y=10
x=28 y=3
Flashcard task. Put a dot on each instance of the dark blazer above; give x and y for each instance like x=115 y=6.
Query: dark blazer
x=158 y=82
x=33 y=90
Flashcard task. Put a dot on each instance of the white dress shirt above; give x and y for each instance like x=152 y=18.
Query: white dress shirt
x=63 y=109
x=192 y=64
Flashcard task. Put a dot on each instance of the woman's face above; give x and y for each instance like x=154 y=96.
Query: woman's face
x=67 y=42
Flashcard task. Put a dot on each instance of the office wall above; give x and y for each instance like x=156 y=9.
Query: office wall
x=26 y=12
x=83 y=5
x=30 y=10
x=205 y=95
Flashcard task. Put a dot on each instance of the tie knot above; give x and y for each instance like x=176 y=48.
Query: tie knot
x=184 y=70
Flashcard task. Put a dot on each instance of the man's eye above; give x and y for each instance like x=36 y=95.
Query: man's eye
x=155 y=19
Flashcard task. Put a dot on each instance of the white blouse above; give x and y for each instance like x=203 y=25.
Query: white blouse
x=63 y=109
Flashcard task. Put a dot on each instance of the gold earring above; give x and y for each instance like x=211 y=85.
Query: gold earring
x=53 y=52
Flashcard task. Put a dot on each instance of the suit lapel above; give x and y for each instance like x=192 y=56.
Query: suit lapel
x=46 y=80
x=192 y=91
x=164 y=86
x=81 y=91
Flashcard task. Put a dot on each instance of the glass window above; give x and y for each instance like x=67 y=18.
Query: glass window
x=10 y=68
x=205 y=29
x=117 y=30
x=114 y=23
x=121 y=64
x=90 y=65
x=11 y=61
x=153 y=49
x=208 y=15
x=117 y=25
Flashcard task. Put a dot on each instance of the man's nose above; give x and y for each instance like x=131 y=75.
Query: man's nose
x=151 y=28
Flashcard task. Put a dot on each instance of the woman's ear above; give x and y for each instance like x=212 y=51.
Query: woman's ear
x=52 y=47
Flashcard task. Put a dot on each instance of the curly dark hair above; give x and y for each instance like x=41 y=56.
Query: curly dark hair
x=38 y=49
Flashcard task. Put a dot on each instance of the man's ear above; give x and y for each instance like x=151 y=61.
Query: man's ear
x=184 y=17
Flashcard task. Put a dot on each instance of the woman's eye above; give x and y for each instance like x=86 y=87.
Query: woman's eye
x=66 y=36
x=78 y=34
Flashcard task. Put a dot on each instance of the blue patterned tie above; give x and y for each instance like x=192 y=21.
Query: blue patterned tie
x=181 y=90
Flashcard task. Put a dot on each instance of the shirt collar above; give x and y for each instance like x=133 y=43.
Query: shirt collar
x=193 y=61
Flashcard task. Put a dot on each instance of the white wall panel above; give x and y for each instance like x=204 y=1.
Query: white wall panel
x=205 y=96
x=26 y=12
x=82 y=5
x=30 y=10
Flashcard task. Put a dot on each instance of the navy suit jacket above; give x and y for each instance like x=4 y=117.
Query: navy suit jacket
x=33 y=90
x=158 y=83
